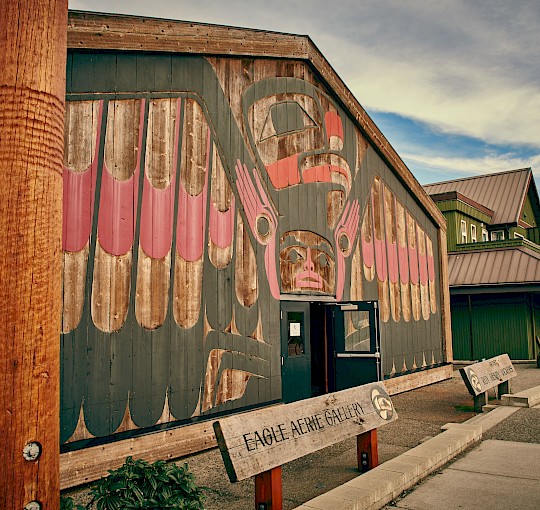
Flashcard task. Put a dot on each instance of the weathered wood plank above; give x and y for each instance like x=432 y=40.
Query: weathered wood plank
x=148 y=34
x=413 y=266
x=415 y=380
x=246 y=283
x=83 y=466
x=422 y=261
x=261 y=440
x=110 y=289
x=403 y=258
x=154 y=258
x=481 y=377
x=74 y=281
x=444 y=290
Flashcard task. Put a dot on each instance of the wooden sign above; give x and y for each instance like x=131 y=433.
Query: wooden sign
x=258 y=441
x=487 y=374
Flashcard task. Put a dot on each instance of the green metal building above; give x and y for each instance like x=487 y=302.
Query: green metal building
x=493 y=263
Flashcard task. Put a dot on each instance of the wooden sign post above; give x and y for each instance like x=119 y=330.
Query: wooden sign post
x=260 y=442
x=484 y=375
x=32 y=92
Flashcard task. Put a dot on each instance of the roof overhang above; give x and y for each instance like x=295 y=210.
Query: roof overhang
x=515 y=264
x=456 y=195
x=493 y=289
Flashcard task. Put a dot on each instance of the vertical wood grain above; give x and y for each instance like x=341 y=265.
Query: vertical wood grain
x=413 y=267
x=153 y=274
x=32 y=91
x=111 y=284
x=81 y=137
x=357 y=293
x=246 y=284
x=73 y=284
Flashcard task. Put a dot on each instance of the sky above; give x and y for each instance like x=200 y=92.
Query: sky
x=454 y=85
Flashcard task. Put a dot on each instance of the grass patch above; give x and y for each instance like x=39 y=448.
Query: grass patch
x=464 y=409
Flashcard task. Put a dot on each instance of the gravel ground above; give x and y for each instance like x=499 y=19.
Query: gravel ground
x=521 y=427
x=421 y=413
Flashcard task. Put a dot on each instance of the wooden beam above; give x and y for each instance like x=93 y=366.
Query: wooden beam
x=444 y=288
x=32 y=91
x=269 y=490
x=134 y=33
x=89 y=464
x=367 y=450
x=415 y=380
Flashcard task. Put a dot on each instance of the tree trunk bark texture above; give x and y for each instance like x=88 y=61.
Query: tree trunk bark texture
x=32 y=92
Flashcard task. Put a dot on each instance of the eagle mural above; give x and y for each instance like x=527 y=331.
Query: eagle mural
x=190 y=212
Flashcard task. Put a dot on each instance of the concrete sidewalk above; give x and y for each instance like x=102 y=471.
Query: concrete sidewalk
x=491 y=476
x=497 y=475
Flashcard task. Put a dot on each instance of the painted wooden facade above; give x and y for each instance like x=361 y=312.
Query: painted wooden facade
x=202 y=190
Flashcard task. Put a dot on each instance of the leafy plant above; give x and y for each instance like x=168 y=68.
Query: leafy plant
x=66 y=503
x=138 y=484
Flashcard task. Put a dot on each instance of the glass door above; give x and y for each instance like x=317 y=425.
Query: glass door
x=353 y=331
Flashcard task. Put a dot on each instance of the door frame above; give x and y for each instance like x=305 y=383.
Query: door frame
x=295 y=369
x=335 y=337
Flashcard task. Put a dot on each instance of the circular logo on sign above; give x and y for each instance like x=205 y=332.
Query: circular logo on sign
x=475 y=381
x=382 y=403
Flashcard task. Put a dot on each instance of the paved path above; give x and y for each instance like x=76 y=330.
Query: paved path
x=497 y=475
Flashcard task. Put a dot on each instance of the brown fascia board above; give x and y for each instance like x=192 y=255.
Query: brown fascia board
x=455 y=195
x=90 y=30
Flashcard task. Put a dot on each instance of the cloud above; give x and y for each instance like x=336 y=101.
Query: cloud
x=465 y=67
x=450 y=67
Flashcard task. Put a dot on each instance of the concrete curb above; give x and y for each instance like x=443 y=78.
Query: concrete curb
x=374 y=489
x=527 y=398
x=377 y=487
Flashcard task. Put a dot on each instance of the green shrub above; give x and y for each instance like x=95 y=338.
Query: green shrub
x=66 y=503
x=138 y=484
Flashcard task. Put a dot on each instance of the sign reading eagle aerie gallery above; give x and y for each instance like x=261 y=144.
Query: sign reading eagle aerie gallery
x=255 y=442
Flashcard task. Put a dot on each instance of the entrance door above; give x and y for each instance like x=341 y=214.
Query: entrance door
x=295 y=351
x=354 y=335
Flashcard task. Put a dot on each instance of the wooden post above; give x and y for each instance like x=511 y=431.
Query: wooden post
x=480 y=401
x=368 y=450
x=503 y=389
x=268 y=490
x=32 y=91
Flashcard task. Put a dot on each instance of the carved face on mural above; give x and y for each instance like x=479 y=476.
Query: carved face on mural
x=306 y=263
x=306 y=157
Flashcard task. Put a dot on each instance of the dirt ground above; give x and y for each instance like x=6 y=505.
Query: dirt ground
x=421 y=413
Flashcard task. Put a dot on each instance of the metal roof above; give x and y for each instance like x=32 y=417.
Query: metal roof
x=503 y=193
x=502 y=266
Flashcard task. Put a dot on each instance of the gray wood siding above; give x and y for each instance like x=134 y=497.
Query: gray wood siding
x=183 y=270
